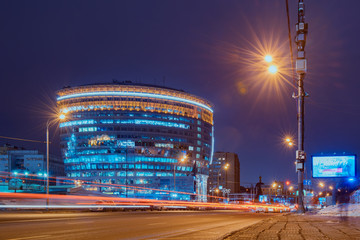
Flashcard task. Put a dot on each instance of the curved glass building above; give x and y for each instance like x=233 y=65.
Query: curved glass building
x=135 y=135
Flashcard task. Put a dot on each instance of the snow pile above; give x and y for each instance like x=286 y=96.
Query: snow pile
x=348 y=209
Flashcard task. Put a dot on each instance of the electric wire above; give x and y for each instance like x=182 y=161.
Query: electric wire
x=22 y=139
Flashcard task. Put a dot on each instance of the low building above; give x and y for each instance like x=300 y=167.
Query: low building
x=20 y=160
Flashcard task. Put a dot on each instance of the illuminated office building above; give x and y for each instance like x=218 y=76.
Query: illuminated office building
x=136 y=135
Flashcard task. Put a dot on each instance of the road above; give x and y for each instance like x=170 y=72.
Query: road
x=125 y=225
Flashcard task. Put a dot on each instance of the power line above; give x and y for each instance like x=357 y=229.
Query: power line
x=22 y=139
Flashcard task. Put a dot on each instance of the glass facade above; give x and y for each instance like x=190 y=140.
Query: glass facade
x=118 y=135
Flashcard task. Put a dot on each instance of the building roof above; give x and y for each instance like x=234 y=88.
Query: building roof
x=127 y=83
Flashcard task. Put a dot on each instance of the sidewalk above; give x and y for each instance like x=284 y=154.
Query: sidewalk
x=302 y=227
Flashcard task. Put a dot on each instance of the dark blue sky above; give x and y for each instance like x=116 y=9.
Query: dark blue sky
x=46 y=45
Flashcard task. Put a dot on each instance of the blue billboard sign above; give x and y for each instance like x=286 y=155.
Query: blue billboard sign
x=333 y=166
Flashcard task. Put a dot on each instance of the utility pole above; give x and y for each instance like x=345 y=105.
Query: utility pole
x=301 y=68
x=47 y=164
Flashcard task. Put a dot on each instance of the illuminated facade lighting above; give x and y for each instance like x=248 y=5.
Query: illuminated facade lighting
x=122 y=133
x=134 y=94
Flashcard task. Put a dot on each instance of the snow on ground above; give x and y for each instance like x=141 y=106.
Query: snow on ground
x=350 y=210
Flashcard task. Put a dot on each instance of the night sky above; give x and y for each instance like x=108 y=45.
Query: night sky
x=197 y=46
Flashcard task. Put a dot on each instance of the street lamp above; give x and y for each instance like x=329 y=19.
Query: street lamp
x=142 y=181
x=61 y=116
x=301 y=69
x=268 y=58
x=181 y=160
x=289 y=141
x=273 y=69
x=226 y=167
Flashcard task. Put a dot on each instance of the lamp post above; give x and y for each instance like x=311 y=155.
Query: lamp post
x=217 y=194
x=181 y=160
x=47 y=163
x=226 y=166
x=301 y=69
x=143 y=183
x=274 y=188
x=61 y=117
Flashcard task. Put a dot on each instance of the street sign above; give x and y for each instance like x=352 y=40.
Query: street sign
x=307 y=182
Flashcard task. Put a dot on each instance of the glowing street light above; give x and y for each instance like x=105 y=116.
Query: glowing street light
x=273 y=69
x=268 y=58
x=331 y=187
x=321 y=184
x=289 y=141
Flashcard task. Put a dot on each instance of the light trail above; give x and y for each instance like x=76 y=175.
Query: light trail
x=137 y=201
x=116 y=186
x=75 y=201
x=22 y=139
x=69 y=206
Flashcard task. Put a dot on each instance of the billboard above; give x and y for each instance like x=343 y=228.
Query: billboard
x=333 y=166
